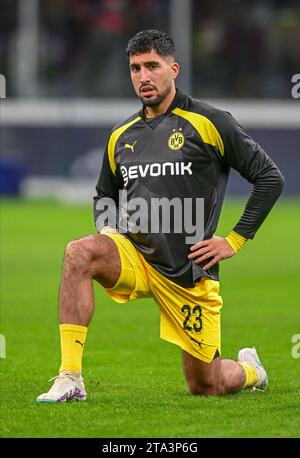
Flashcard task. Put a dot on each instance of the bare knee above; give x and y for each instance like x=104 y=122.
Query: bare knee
x=197 y=388
x=203 y=378
x=80 y=254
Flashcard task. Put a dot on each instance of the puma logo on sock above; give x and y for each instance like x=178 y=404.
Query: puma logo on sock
x=78 y=341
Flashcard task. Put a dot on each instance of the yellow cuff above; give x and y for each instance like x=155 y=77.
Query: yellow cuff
x=236 y=241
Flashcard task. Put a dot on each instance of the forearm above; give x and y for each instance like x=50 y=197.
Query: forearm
x=105 y=213
x=267 y=188
x=246 y=156
x=106 y=201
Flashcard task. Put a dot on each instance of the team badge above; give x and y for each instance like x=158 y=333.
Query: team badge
x=176 y=139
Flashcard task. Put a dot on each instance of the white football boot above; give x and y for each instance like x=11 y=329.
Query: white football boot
x=250 y=356
x=67 y=386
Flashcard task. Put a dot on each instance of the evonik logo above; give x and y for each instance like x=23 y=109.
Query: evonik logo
x=155 y=169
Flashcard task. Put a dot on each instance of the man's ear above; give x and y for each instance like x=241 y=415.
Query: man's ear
x=175 y=70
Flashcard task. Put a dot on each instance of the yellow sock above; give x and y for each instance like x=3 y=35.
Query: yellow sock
x=251 y=375
x=72 y=340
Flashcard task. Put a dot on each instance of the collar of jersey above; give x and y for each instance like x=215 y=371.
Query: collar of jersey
x=178 y=101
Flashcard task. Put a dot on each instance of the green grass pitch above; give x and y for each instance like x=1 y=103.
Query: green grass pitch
x=134 y=380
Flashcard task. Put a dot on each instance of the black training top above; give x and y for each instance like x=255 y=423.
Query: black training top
x=184 y=154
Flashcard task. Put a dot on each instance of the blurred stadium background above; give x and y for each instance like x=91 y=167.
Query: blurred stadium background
x=67 y=81
x=67 y=84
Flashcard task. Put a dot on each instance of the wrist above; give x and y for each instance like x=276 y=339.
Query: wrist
x=108 y=230
x=235 y=240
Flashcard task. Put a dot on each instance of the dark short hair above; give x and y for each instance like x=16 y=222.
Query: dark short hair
x=146 y=40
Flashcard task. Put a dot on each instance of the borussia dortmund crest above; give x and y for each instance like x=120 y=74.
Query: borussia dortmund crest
x=176 y=139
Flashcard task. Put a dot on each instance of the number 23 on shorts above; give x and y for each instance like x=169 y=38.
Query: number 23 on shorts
x=193 y=318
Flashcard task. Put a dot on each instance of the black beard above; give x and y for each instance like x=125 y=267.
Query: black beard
x=156 y=100
x=152 y=102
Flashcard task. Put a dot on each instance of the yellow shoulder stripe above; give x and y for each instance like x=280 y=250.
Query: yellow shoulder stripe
x=113 y=140
x=204 y=127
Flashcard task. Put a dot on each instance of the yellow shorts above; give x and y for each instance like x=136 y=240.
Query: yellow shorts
x=189 y=317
